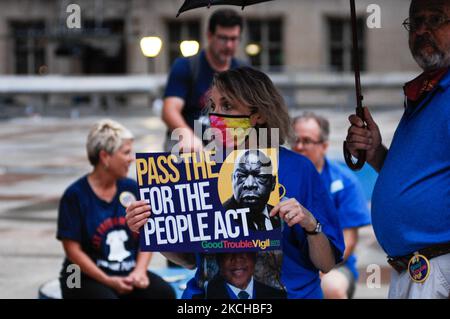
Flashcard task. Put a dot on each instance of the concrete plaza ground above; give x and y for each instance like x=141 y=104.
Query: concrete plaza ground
x=41 y=156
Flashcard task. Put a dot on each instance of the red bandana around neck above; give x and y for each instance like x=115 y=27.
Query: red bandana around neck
x=423 y=84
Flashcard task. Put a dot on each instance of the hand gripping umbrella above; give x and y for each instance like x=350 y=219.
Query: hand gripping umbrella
x=361 y=159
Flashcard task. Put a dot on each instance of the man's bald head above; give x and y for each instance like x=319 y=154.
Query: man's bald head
x=255 y=157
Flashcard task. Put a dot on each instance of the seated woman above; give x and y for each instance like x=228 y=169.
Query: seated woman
x=312 y=239
x=92 y=227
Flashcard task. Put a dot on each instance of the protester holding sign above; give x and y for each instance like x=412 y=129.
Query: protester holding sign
x=92 y=227
x=311 y=237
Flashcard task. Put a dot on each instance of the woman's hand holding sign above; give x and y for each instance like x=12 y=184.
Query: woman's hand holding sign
x=292 y=212
x=320 y=251
x=137 y=215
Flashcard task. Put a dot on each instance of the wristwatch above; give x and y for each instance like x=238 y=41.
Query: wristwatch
x=316 y=231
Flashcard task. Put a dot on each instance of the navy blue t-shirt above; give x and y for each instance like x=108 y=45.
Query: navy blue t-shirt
x=100 y=227
x=180 y=85
x=348 y=198
x=302 y=182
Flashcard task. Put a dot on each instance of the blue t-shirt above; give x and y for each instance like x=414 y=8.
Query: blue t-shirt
x=180 y=85
x=411 y=199
x=100 y=227
x=302 y=182
x=348 y=198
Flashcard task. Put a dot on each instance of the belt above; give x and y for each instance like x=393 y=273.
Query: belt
x=400 y=264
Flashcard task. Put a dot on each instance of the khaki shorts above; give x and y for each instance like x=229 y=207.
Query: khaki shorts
x=437 y=286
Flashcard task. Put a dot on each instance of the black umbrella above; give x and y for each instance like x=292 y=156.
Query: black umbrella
x=361 y=159
x=193 y=4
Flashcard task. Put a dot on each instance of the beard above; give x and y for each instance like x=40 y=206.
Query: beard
x=430 y=61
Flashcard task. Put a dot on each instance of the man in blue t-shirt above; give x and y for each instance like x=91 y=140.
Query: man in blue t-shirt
x=312 y=135
x=190 y=79
x=411 y=199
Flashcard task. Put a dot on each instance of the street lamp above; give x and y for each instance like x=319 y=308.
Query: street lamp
x=253 y=49
x=151 y=47
x=189 y=48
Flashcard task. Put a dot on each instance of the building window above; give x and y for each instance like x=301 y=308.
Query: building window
x=267 y=35
x=340 y=44
x=103 y=47
x=178 y=32
x=29 y=46
x=94 y=49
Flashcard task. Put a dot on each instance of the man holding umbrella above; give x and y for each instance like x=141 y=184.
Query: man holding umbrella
x=411 y=199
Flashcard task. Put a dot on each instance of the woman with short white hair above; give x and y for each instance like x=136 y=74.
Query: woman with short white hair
x=92 y=226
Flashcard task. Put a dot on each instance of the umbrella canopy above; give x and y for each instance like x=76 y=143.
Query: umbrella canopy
x=193 y=4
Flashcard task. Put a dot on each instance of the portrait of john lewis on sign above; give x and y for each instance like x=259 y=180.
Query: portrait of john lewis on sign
x=253 y=181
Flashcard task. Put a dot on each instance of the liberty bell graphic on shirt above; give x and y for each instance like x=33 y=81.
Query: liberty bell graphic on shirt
x=116 y=242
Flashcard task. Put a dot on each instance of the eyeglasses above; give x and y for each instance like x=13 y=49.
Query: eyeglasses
x=433 y=22
x=307 y=141
x=224 y=39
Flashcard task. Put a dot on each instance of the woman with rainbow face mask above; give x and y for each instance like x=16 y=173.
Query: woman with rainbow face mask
x=243 y=101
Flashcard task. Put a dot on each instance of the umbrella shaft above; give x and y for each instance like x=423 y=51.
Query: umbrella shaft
x=356 y=62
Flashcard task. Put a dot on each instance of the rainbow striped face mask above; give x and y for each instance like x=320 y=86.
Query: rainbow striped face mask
x=235 y=129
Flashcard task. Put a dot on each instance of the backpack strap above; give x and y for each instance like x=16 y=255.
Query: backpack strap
x=194 y=68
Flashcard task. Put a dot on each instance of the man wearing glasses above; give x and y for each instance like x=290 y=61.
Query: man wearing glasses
x=411 y=199
x=312 y=136
x=190 y=79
